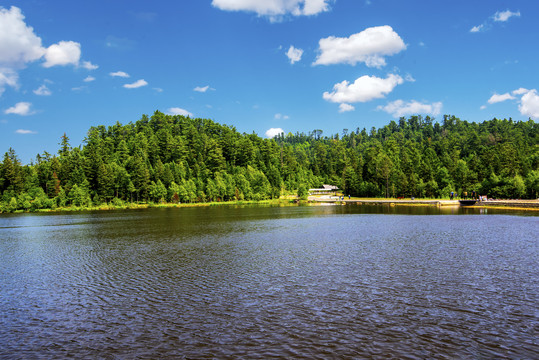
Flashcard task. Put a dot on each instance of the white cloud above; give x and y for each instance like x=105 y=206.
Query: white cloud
x=520 y=91
x=89 y=66
x=477 y=28
x=203 y=89
x=119 y=74
x=159 y=90
x=25 y=132
x=136 y=84
x=279 y=116
x=482 y=107
x=313 y=7
x=8 y=77
x=63 y=53
x=529 y=104
x=400 y=108
x=18 y=43
x=369 y=46
x=499 y=16
x=294 y=54
x=496 y=98
x=274 y=9
x=18 y=46
x=20 y=108
x=505 y=15
x=43 y=90
x=179 y=111
x=409 y=78
x=344 y=107
x=365 y=88
x=89 y=78
x=273 y=132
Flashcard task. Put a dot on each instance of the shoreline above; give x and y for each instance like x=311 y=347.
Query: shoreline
x=138 y=206
x=520 y=205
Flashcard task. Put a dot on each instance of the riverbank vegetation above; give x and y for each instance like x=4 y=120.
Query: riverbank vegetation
x=176 y=159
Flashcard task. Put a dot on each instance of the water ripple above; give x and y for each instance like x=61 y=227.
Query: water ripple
x=258 y=283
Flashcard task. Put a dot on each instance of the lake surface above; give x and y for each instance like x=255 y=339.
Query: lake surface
x=301 y=282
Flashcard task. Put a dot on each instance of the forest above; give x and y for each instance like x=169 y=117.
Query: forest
x=177 y=159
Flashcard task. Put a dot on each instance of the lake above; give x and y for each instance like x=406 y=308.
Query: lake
x=258 y=282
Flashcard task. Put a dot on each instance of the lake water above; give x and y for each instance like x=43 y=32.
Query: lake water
x=297 y=282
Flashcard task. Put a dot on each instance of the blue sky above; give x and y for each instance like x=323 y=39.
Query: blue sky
x=260 y=65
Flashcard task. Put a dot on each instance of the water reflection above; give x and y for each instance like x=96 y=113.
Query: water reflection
x=259 y=282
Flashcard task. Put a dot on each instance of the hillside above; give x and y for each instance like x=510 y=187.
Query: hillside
x=166 y=158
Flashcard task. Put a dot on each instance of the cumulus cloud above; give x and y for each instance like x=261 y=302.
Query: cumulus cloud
x=20 y=108
x=274 y=9
x=344 y=107
x=505 y=15
x=370 y=46
x=136 y=84
x=43 y=90
x=89 y=78
x=400 y=108
x=365 y=88
x=119 y=74
x=496 y=98
x=280 y=116
x=19 y=45
x=529 y=104
x=293 y=54
x=179 y=111
x=273 y=132
x=25 y=132
x=528 y=101
x=63 y=53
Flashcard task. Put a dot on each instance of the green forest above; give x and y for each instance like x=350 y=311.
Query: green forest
x=177 y=159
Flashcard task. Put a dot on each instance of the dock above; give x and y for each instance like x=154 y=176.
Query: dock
x=528 y=204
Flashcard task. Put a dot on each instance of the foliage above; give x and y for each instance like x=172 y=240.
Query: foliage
x=178 y=159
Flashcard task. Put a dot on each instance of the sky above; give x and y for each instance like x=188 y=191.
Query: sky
x=262 y=66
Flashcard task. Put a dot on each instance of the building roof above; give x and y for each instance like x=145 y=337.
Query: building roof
x=330 y=187
x=326 y=187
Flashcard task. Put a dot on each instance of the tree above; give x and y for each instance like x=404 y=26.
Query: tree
x=141 y=178
x=12 y=172
x=532 y=184
x=384 y=167
x=158 y=191
x=65 y=148
x=303 y=194
x=350 y=181
x=414 y=157
x=519 y=187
